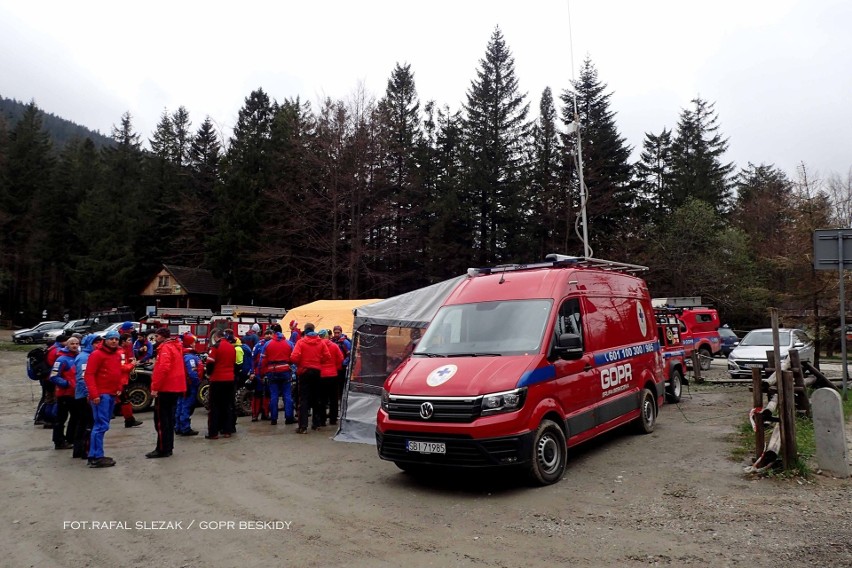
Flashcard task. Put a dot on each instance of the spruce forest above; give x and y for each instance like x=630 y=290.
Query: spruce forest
x=376 y=196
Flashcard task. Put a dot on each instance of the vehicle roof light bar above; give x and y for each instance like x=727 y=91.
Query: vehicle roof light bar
x=562 y=261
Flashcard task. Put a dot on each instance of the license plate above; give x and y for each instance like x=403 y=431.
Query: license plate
x=753 y=365
x=426 y=447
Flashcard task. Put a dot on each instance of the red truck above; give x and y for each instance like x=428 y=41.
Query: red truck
x=674 y=353
x=522 y=362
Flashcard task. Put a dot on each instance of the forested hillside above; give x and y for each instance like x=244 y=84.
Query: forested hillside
x=61 y=131
x=370 y=197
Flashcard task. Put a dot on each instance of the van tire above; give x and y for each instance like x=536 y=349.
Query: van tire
x=647 y=412
x=675 y=388
x=705 y=358
x=549 y=454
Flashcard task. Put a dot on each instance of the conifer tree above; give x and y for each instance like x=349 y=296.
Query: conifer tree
x=30 y=168
x=697 y=168
x=246 y=175
x=452 y=209
x=549 y=202
x=654 y=173
x=399 y=185
x=113 y=226
x=496 y=130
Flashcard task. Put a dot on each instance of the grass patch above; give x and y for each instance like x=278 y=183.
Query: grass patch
x=743 y=447
x=9 y=346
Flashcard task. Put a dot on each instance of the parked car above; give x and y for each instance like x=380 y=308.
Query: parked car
x=729 y=340
x=36 y=333
x=83 y=326
x=114 y=327
x=751 y=351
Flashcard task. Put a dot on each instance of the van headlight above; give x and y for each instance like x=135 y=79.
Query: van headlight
x=507 y=401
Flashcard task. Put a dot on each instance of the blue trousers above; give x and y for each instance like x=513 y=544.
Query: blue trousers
x=102 y=414
x=279 y=385
x=185 y=408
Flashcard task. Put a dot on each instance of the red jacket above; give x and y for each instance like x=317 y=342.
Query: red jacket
x=169 y=374
x=311 y=353
x=64 y=367
x=275 y=356
x=224 y=357
x=103 y=372
x=335 y=360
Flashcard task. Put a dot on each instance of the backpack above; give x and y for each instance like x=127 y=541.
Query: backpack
x=37 y=367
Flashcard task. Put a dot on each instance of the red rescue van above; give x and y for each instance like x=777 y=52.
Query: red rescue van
x=522 y=362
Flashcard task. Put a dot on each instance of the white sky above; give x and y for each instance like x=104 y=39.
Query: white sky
x=779 y=71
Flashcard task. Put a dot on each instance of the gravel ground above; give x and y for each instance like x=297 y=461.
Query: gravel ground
x=672 y=498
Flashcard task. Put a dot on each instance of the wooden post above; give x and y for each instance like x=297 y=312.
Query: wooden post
x=787 y=414
x=817 y=378
x=757 y=402
x=802 y=401
x=696 y=366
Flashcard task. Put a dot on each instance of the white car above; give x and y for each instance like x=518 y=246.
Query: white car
x=750 y=352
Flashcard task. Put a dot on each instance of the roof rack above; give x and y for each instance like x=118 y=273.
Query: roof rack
x=256 y=311
x=562 y=261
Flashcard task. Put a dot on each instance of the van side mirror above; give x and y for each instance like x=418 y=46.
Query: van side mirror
x=568 y=346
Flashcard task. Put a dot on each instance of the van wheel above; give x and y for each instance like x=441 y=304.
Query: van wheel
x=648 y=412
x=675 y=388
x=549 y=454
x=705 y=358
x=139 y=397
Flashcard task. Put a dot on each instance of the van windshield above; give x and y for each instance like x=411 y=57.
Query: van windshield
x=509 y=327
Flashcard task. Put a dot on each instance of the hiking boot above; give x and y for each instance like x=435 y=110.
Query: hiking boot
x=226 y=435
x=158 y=454
x=101 y=462
x=65 y=446
x=211 y=437
x=290 y=421
x=301 y=430
x=132 y=423
x=189 y=432
x=254 y=418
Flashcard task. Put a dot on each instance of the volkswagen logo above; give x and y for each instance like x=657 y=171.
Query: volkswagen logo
x=426 y=410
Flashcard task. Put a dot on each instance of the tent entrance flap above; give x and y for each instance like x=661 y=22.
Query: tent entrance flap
x=385 y=334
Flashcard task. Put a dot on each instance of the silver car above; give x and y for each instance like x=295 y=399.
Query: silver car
x=750 y=352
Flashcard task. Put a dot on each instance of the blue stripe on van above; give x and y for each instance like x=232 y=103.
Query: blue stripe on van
x=537 y=376
x=615 y=355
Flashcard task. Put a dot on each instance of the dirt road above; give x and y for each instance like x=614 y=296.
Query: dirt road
x=267 y=497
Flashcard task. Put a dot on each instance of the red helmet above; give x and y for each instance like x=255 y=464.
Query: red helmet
x=188 y=340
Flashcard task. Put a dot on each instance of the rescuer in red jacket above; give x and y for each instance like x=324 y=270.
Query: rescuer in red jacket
x=309 y=355
x=220 y=371
x=328 y=379
x=103 y=379
x=168 y=384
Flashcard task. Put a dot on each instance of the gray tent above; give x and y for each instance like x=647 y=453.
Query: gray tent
x=384 y=334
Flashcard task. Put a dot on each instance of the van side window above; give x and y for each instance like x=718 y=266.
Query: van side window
x=570 y=319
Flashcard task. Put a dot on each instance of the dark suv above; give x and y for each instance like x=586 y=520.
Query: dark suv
x=729 y=340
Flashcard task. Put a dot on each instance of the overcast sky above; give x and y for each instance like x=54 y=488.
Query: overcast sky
x=779 y=71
